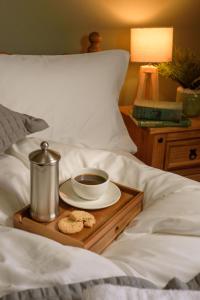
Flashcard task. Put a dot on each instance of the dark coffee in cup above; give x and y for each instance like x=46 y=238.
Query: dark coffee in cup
x=90 y=183
x=90 y=179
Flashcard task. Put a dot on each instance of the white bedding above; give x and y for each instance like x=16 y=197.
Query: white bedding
x=161 y=243
x=30 y=261
x=109 y=292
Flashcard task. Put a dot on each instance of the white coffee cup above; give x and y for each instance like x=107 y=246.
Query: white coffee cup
x=82 y=186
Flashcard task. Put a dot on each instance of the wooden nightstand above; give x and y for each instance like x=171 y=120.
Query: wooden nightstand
x=175 y=149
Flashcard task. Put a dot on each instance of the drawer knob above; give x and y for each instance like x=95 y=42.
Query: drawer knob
x=117 y=228
x=193 y=154
x=160 y=140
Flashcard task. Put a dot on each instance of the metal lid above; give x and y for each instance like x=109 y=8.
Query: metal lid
x=44 y=156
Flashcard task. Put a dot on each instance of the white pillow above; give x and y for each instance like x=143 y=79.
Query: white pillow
x=76 y=94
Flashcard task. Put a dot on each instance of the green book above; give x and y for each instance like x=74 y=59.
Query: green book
x=184 y=122
x=158 y=110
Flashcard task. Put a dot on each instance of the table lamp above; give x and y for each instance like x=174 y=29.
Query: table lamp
x=150 y=45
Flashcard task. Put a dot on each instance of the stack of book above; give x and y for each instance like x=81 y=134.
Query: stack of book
x=159 y=114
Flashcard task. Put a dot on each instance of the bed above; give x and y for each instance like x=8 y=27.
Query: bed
x=157 y=255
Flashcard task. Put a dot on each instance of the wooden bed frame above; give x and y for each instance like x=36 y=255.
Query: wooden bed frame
x=95 y=40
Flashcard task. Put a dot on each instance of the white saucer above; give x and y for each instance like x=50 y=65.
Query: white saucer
x=110 y=197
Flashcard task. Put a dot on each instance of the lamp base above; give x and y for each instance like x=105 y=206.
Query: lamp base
x=148 y=83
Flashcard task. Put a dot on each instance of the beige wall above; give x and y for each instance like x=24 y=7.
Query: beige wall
x=58 y=26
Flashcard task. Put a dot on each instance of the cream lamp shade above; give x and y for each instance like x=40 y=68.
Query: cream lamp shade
x=150 y=45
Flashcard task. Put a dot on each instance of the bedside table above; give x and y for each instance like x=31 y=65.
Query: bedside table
x=174 y=149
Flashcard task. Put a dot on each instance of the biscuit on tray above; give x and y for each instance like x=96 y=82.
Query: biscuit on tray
x=76 y=221
x=67 y=225
x=83 y=216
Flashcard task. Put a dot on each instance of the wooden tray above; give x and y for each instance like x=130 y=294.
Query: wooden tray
x=110 y=222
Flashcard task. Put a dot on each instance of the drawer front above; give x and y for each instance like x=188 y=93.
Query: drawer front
x=116 y=229
x=192 y=173
x=182 y=154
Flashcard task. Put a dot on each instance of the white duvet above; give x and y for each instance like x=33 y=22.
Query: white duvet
x=109 y=292
x=161 y=243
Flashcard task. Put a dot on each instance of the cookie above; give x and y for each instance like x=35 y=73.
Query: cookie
x=83 y=216
x=68 y=225
x=89 y=223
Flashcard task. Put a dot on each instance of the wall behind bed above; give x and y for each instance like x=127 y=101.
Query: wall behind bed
x=59 y=26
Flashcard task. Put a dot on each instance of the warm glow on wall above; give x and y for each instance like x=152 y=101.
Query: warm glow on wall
x=151 y=44
x=136 y=12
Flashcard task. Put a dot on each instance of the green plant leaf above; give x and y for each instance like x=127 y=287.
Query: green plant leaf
x=184 y=69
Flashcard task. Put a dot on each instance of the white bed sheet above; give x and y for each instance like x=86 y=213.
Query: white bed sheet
x=31 y=261
x=109 y=292
x=161 y=243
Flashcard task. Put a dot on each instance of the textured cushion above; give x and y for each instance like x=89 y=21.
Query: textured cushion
x=15 y=126
x=76 y=94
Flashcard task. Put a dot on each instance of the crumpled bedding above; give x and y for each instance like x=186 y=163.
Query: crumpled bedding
x=159 y=244
x=29 y=261
x=108 y=292
x=120 y=287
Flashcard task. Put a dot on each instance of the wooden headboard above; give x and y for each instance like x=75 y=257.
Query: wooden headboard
x=95 y=40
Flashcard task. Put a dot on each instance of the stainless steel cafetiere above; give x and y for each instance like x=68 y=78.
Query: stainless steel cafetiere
x=44 y=164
